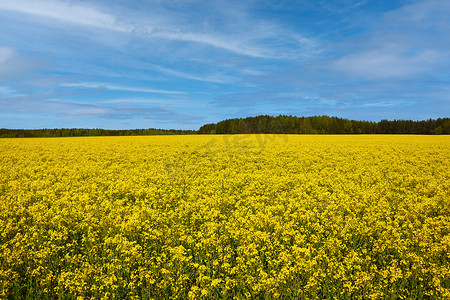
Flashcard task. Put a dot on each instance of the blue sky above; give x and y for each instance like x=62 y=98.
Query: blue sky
x=180 y=64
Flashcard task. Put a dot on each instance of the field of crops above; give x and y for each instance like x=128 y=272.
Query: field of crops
x=243 y=216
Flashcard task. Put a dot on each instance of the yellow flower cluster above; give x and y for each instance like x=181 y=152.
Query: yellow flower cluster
x=233 y=216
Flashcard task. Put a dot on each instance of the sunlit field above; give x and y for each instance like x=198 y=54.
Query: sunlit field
x=232 y=216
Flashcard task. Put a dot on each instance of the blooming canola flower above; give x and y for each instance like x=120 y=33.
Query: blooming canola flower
x=225 y=216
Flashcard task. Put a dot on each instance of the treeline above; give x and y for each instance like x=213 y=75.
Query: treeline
x=261 y=124
x=324 y=125
x=65 y=132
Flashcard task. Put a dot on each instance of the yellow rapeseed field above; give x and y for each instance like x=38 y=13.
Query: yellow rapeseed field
x=235 y=216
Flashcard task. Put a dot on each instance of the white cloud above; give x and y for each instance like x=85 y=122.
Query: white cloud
x=107 y=86
x=215 y=78
x=384 y=104
x=126 y=101
x=386 y=63
x=6 y=92
x=66 y=12
x=404 y=42
x=160 y=102
x=233 y=45
x=13 y=64
x=422 y=13
x=172 y=26
x=6 y=53
x=90 y=111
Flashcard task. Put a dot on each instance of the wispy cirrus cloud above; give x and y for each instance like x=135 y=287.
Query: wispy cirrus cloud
x=7 y=92
x=113 y=87
x=383 y=63
x=133 y=60
x=215 y=78
x=13 y=64
x=65 y=11
x=405 y=42
x=96 y=115
x=142 y=101
x=6 y=53
x=251 y=42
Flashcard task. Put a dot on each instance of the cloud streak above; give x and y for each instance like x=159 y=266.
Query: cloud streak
x=249 y=43
x=112 y=87
x=144 y=60
x=215 y=78
x=12 y=64
x=406 y=42
x=6 y=92
x=65 y=12
x=384 y=63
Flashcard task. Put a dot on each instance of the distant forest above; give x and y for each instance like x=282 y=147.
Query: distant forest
x=261 y=124
x=325 y=125
x=66 y=132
